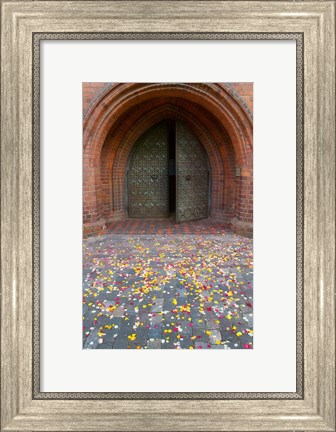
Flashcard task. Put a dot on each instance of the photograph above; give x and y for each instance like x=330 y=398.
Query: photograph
x=167 y=215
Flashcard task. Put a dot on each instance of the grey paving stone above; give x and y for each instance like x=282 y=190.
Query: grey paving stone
x=186 y=329
x=105 y=345
x=158 y=306
x=137 y=344
x=91 y=342
x=118 y=312
x=200 y=334
x=154 y=344
x=114 y=321
x=245 y=339
x=233 y=344
x=212 y=324
x=202 y=345
x=217 y=346
x=108 y=303
x=196 y=317
x=125 y=329
x=141 y=333
x=143 y=314
x=215 y=336
x=168 y=305
x=249 y=320
x=186 y=343
x=154 y=320
x=155 y=333
x=121 y=343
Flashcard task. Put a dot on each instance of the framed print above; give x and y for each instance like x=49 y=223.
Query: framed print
x=168 y=191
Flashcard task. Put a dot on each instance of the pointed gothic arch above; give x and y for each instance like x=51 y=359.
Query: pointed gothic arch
x=123 y=112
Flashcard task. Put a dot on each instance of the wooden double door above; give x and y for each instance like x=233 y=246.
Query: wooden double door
x=168 y=175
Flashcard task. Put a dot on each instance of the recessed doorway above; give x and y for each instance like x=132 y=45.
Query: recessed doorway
x=168 y=174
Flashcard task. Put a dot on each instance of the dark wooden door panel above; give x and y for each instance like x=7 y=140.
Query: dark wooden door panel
x=148 y=175
x=192 y=176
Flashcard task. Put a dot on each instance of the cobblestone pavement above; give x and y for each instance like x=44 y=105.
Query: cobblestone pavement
x=160 y=291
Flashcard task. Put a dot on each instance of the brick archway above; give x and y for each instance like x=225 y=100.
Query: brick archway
x=123 y=112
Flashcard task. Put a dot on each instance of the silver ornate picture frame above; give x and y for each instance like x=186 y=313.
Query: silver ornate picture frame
x=24 y=25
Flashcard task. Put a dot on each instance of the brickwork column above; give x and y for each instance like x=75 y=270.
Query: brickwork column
x=243 y=220
x=92 y=217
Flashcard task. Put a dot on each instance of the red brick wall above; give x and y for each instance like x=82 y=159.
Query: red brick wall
x=245 y=92
x=90 y=93
x=92 y=90
x=244 y=210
